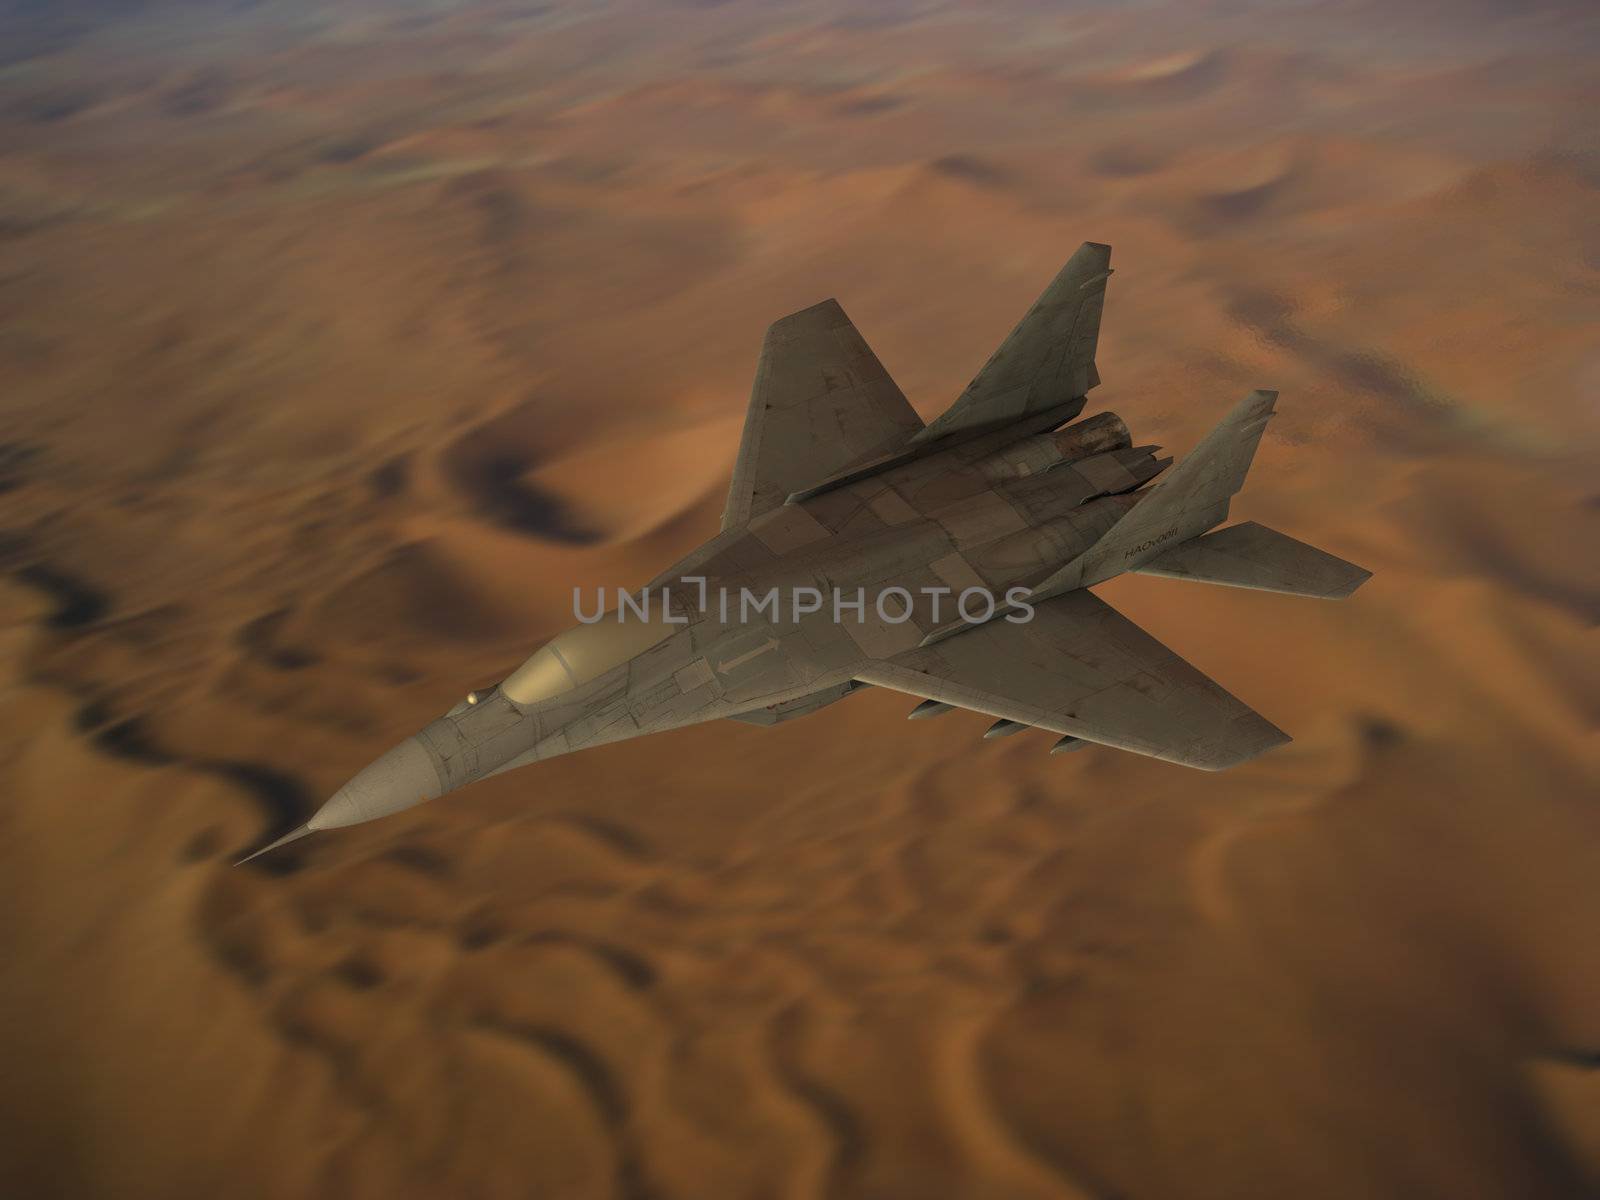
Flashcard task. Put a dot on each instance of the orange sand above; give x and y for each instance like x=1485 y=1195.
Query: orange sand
x=317 y=341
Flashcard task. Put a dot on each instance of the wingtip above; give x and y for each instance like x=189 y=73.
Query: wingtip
x=1247 y=737
x=1358 y=576
x=293 y=835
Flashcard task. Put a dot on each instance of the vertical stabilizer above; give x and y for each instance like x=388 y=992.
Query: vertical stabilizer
x=1047 y=360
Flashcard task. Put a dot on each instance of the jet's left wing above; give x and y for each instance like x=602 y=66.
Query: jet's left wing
x=1080 y=667
x=821 y=401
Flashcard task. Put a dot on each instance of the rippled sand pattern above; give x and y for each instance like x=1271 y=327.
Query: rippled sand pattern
x=339 y=341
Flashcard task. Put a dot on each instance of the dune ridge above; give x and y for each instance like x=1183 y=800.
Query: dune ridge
x=335 y=352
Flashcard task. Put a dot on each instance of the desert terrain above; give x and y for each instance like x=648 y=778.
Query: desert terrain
x=339 y=341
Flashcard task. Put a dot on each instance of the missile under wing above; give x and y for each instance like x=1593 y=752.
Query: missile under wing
x=1081 y=668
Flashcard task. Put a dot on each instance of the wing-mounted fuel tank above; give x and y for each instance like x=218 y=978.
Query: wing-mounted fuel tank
x=803 y=706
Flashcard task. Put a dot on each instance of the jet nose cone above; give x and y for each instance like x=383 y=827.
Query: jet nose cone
x=401 y=778
x=294 y=835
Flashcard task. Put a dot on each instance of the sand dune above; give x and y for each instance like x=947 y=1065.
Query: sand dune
x=336 y=348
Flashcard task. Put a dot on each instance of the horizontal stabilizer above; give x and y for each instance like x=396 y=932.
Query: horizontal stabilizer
x=1253 y=556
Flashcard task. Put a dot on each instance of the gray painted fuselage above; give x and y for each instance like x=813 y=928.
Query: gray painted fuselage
x=932 y=527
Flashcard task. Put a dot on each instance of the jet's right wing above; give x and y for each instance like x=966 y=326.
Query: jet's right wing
x=1080 y=667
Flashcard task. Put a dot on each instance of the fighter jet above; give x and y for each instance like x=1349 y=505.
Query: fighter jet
x=952 y=562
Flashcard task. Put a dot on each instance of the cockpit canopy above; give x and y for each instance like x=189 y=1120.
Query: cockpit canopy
x=586 y=652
